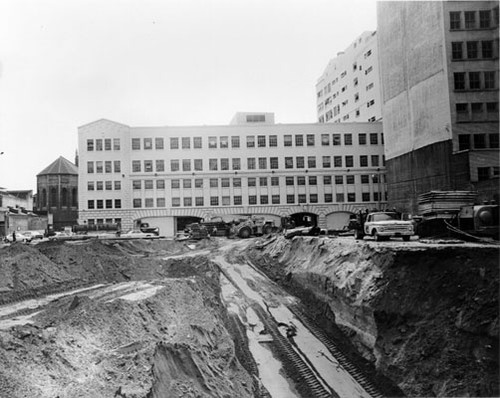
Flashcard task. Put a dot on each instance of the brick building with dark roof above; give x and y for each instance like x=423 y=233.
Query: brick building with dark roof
x=57 y=192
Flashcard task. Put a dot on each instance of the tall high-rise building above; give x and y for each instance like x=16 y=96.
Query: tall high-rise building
x=439 y=74
x=349 y=89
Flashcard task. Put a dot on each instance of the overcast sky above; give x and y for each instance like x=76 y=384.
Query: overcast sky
x=151 y=63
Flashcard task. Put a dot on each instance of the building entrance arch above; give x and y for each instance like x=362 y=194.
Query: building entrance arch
x=338 y=220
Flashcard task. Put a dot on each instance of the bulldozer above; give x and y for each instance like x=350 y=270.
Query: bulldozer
x=253 y=226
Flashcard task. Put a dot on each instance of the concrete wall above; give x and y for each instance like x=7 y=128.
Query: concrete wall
x=419 y=116
x=447 y=171
x=414 y=77
x=416 y=175
x=23 y=222
x=14 y=199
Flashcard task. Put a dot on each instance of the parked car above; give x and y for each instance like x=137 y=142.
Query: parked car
x=182 y=236
x=138 y=234
x=148 y=229
x=61 y=235
x=19 y=238
x=32 y=234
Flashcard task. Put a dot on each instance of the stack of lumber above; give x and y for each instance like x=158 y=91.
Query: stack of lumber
x=444 y=201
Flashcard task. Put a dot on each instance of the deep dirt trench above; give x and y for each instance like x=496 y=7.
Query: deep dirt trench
x=426 y=316
x=419 y=320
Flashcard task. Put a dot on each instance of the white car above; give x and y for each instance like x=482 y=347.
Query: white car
x=20 y=237
x=138 y=234
x=182 y=236
x=32 y=235
x=383 y=225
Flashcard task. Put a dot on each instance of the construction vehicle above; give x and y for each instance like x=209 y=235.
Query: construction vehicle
x=216 y=226
x=252 y=226
x=196 y=231
x=442 y=212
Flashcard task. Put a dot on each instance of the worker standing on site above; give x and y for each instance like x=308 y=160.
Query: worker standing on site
x=13 y=236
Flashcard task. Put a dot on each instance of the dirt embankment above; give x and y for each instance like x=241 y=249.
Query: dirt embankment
x=173 y=343
x=426 y=316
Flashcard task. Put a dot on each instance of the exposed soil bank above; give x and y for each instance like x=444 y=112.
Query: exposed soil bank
x=172 y=343
x=426 y=315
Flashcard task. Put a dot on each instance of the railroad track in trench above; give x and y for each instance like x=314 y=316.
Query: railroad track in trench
x=307 y=382
x=357 y=374
x=354 y=371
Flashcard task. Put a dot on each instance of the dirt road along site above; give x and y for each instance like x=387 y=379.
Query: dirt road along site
x=270 y=317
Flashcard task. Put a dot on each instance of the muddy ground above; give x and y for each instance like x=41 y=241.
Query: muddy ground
x=153 y=324
x=425 y=315
x=173 y=343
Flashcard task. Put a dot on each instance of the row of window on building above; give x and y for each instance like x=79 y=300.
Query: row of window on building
x=474 y=80
x=481 y=19
x=236 y=200
x=252 y=141
x=104 y=204
x=478 y=141
x=235 y=182
x=355 y=67
x=472 y=50
x=104 y=185
x=477 y=111
x=108 y=166
x=52 y=198
x=336 y=108
x=100 y=221
x=225 y=164
x=106 y=144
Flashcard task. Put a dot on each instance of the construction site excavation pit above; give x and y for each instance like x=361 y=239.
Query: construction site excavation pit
x=268 y=317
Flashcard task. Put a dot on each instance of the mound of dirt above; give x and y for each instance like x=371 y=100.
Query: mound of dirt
x=173 y=344
x=54 y=266
x=24 y=267
x=426 y=316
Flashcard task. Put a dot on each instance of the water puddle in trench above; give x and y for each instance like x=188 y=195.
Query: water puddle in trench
x=270 y=369
x=308 y=345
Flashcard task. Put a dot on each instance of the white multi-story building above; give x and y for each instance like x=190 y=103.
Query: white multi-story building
x=169 y=176
x=349 y=89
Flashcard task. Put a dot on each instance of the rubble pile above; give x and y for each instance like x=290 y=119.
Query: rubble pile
x=426 y=317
